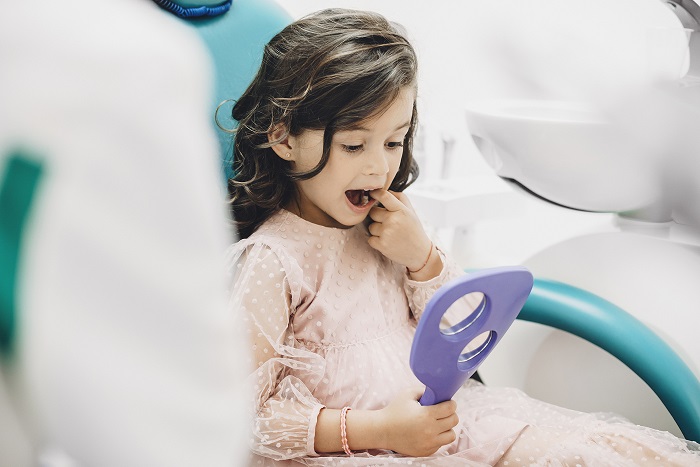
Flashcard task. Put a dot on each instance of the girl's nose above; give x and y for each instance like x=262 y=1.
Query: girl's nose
x=377 y=163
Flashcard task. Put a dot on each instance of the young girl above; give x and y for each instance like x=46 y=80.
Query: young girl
x=333 y=271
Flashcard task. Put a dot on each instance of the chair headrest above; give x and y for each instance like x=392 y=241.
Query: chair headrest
x=235 y=42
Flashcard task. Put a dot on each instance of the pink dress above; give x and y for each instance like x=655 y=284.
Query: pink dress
x=330 y=322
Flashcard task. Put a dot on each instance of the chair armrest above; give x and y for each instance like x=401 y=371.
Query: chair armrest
x=598 y=321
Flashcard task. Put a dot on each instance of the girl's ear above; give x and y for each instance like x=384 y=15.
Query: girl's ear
x=282 y=146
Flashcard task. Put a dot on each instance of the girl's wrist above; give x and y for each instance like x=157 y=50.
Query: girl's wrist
x=368 y=429
x=364 y=429
x=380 y=428
x=433 y=267
x=422 y=266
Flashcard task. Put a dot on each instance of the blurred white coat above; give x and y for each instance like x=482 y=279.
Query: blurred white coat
x=124 y=354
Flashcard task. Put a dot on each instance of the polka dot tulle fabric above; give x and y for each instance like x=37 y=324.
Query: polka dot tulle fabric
x=330 y=323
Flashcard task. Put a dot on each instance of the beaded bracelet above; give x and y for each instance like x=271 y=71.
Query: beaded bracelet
x=343 y=432
x=430 y=253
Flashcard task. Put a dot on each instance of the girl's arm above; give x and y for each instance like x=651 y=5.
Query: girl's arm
x=285 y=411
x=403 y=426
x=397 y=233
x=289 y=422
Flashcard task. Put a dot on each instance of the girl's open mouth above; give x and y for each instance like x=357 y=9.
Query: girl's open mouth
x=359 y=198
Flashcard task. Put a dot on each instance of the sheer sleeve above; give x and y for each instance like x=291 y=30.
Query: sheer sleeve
x=264 y=295
x=420 y=293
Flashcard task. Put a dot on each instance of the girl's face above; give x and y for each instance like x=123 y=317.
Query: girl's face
x=361 y=159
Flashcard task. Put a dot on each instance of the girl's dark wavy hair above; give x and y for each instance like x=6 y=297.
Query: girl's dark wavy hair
x=327 y=71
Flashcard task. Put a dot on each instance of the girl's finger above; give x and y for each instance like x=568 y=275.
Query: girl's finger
x=375 y=229
x=447 y=437
x=443 y=409
x=378 y=214
x=448 y=423
x=388 y=200
x=401 y=196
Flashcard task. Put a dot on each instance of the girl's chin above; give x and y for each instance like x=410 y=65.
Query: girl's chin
x=336 y=218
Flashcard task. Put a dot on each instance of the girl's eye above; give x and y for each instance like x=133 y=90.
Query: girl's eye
x=352 y=148
x=395 y=145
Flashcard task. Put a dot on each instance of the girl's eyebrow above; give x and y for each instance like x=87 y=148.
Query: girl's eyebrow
x=362 y=128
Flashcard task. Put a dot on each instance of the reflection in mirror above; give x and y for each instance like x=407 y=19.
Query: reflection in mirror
x=481 y=344
x=454 y=313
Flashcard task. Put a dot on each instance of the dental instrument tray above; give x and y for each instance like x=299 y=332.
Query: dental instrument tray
x=439 y=357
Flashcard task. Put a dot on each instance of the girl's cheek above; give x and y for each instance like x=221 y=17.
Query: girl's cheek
x=390 y=180
x=394 y=171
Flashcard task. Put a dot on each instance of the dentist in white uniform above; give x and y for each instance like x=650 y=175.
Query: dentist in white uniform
x=120 y=351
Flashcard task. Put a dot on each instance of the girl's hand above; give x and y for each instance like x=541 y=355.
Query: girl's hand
x=398 y=234
x=414 y=430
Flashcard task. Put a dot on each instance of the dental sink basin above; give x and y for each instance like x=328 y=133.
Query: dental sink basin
x=571 y=153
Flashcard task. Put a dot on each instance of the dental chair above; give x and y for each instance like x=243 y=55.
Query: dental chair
x=235 y=33
x=235 y=40
x=602 y=323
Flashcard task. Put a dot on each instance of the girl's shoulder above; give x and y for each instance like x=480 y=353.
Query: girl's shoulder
x=255 y=248
x=274 y=233
x=270 y=240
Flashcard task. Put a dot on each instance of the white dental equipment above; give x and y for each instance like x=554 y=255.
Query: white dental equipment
x=631 y=151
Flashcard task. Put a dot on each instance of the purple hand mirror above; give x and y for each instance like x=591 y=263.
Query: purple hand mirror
x=438 y=356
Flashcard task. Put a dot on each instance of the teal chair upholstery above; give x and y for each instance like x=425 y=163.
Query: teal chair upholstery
x=236 y=40
x=602 y=323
